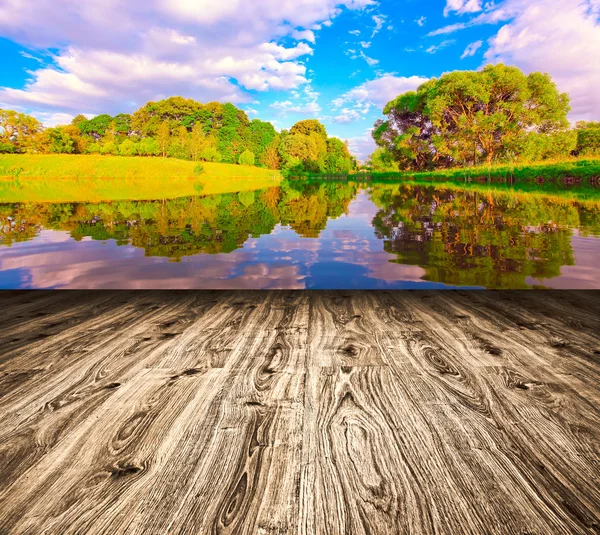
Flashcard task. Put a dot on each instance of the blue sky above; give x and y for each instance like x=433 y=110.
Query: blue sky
x=282 y=60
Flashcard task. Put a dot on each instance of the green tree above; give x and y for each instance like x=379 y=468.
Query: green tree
x=18 y=130
x=338 y=158
x=79 y=119
x=163 y=138
x=309 y=126
x=246 y=158
x=468 y=118
x=149 y=147
x=197 y=141
x=588 y=138
x=129 y=148
x=271 y=157
x=96 y=127
x=382 y=161
x=147 y=120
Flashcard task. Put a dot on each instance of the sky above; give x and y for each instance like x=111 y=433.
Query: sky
x=283 y=60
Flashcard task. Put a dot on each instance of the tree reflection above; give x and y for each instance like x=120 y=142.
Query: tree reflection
x=494 y=239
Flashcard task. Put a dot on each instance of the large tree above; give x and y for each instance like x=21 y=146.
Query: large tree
x=18 y=131
x=468 y=118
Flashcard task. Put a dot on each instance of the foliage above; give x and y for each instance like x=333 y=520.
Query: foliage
x=198 y=169
x=307 y=149
x=246 y=158
x=95 y=127
x=588 y=138
x=469 y=118
x=570 y=171
x=486 y=238
x=382 y=161
x=19 y=130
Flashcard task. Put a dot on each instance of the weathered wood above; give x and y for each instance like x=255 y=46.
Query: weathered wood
x=309 y=413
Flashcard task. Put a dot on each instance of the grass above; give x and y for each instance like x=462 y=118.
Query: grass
x=584 y=170
x=560 y=171
x=94 y=178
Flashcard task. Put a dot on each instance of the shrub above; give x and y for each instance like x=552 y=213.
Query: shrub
x=246 y=158
x=199 y=169
x=128 y=148
x=7 y=148
x=149 y=147
x=211 y=154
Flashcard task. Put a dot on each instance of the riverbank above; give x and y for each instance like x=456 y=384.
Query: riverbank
x=576 y=171
x=71 y=178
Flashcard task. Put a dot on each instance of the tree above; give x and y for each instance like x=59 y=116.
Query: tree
x=309 y=126
x=179 y=145
x=79 y=119
x=18 y=130
x=197 y=141
x=588 y=138
x=382 y=161
x=261 y=136
x=246 y=158
x=163 y=138
x=271 y=157
x=147 y=120
x=338 y=158
x=468 y=118
x=149 y=147
x=96 y=127
x=129 y=148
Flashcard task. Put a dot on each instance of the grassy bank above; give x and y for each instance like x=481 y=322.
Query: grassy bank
x=560 y=172
x=92 y=178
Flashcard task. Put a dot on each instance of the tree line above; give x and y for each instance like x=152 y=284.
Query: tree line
x=183 y=128
x=469 y=118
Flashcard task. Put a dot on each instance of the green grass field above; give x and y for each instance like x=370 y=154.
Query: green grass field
x=93 y=178
x=587 y=170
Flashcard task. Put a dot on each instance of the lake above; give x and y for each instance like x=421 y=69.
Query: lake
x=312 y=235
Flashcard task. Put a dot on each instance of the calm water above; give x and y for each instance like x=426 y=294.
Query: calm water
x=309 y=235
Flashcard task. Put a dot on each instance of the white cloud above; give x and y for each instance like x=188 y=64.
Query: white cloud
x=462 y=6
x=560 y=37
x=434 y=49
x=304 y=102
x=472 y=49
x=379 y=21
x=307 y=35
x=421 y=21
x=373 y=94
x=365 y=44
x=157 y=48
x=54 y=119
x=29 y=56
x=362 y=146
x=369 y=60
x=354 y=32
x=347 y=115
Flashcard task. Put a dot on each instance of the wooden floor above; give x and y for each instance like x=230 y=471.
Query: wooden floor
x=342 y=413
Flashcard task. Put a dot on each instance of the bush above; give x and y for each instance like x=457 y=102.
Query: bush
x=199 y=169
x=211 y=154
x=128 y=148
x=110 y=147
x=7 y=148
x=149 y=147
x=246 y=158
x=93 y=148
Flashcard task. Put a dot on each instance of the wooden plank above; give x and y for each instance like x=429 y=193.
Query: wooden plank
x=306 y=413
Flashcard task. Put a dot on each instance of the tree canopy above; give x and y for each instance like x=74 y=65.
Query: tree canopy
x=474 y=117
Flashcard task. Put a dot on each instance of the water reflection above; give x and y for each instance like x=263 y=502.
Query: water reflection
x=307 y=235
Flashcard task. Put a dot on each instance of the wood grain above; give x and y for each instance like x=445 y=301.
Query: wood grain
x=309 y=413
